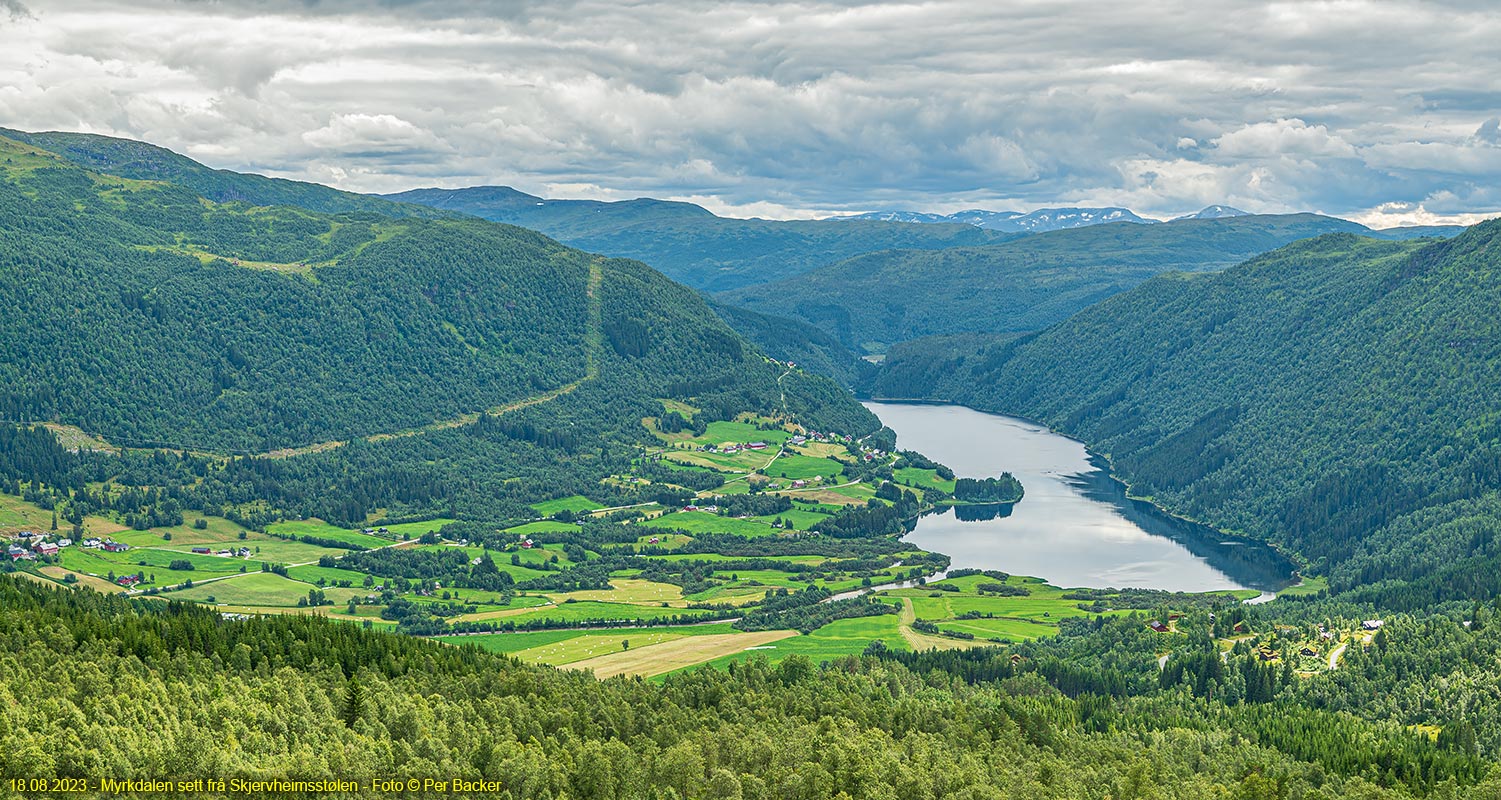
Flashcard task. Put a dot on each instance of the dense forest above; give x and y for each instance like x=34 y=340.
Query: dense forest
x=1335 y=397
x=312 y=698
x=872 y=301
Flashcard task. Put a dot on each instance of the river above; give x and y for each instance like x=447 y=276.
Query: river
x=1075 y=526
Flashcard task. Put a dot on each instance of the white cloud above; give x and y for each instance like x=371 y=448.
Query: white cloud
x=795 y=107
x=1284 y=137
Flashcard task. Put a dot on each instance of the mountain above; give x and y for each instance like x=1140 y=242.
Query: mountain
x=1417 y=232
x=1336 y=396
x=1039 y=221
x=126 y=158
x=1215 y=212
x=872 y=301
x=687 y=242
x=793 y=340
x=146 y=314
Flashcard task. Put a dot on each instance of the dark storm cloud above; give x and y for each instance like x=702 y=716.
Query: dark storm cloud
x=1365 y=108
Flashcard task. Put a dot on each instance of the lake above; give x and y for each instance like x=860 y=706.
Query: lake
x=1075 y=526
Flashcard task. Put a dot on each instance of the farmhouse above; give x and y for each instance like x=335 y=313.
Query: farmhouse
x=64 y=542
x=19 y=553
x=1157 y=626
x=115 y=547
x=799 y=484
x=796 y=440
x=92 y=544
x=128 y=580
x=46 y=548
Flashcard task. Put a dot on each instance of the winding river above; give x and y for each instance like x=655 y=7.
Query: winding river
x=1075 y=526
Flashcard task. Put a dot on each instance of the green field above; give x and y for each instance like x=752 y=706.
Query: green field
x=323 y=530
x=923 y=479
x=260 y=589
x=564 y=647
x=312 y=572
x=415 y=529
x=718 y=433
x=1014 y=629
x=739 y=462
x=152 y=560
x=704 y=522
x=17 y=515
x=575 y=503
x=837 y=639
x=801 y=520
x=271 y=551
x=797 y=467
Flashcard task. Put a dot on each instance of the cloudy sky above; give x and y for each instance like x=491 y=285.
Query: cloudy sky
x=1384 y=111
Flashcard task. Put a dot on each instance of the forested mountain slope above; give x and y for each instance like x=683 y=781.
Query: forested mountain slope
x=796 y=341
x=873 y=301
x=140 y=311
x=691 y=245
x=1337 y=396
x=127 y=158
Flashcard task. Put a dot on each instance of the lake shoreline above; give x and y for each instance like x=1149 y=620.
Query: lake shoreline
x=1083 y=526
x=1110 y=471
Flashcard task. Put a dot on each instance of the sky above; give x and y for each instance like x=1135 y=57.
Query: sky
x=1381 y=111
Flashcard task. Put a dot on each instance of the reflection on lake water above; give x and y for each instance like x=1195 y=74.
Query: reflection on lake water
x=1075 y=526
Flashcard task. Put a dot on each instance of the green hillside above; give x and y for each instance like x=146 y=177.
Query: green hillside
x=873 y=301
x=691 y=245
x=1337 y=396
x=126 y=158
x=789 y=339
x=147 y=315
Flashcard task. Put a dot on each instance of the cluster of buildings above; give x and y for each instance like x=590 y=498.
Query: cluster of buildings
x=30 y=544
x=243 y=552
x=731 y=448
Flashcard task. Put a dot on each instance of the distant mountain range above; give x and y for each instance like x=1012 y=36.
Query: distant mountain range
x=1029 y=282
x=689 y=243
x=1216 y=212
x=1039 y=221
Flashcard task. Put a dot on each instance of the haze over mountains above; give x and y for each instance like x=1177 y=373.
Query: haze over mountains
x=878 y=299
x=1039 y=221
x=690 y=244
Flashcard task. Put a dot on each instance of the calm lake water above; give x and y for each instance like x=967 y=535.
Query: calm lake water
x=1075 y=526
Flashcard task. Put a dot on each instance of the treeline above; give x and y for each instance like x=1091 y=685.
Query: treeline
x=808 y=610
x=872 y=519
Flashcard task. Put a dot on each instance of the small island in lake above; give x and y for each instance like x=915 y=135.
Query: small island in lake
x=1005 y=489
